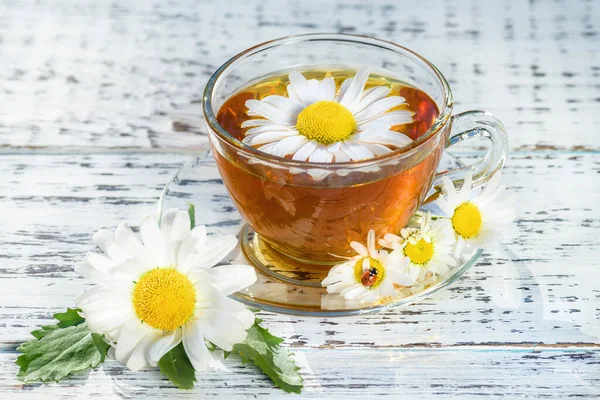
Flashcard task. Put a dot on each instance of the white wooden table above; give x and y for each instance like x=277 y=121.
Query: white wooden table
x=100 y=104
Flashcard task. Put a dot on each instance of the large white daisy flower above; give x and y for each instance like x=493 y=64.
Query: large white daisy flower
x=370 y=276
x=428 y=249
x=315 y=124
x=476 y=216
x=151 y=294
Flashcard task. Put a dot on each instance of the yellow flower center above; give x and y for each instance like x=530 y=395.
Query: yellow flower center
x=466 y=220
x=326 y=122
x=371 y=277
x=164 y=298
x=419 y=253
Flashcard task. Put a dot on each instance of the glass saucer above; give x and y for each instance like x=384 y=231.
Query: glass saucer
x=283 y=290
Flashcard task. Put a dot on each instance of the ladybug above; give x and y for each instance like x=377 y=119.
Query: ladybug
x=369 y=277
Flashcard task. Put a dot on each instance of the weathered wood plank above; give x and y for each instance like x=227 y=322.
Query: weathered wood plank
x=399 y=374
x=130 y=74
x=538 y=286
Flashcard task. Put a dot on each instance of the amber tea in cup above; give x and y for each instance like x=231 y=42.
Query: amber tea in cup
x=305 y=213
x=304 y=218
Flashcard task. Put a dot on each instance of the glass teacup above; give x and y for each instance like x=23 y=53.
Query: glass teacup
x=302 y=215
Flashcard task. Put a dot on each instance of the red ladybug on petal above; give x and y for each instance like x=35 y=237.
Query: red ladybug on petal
x=369 y=277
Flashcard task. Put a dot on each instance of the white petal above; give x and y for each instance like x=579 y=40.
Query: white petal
x=320 y=155
x=341 y=156
x=153 y=241
x=354 y=292
x=102 y=238
x=377 y=149
x=163 y=345
x=370 y=96
x=166 y=222
x=126 y=239
x=271 y=112
x=306 y=91
x=134 y=342
x=229 y=279
x=139 y=356
x=305 y=151
x=249 y=123
x=467 y=184
x=327 y=89
x=86 y=270
x=379 y=107
x=389 y=119
x=401 y=278
x=272 y=127
x=287 y=105
x=353 y=93
x=360 y=249
x=289 y=145
x=268 y=137
x=246 y=318
x=189 y=246
x=215 y=251
x=181 y=226
x=195 y=347
x=209 y=297
x=371 y=244
x=267 y=148
x=199 y=232
x=221 y=328
x=385 y=137
x=105 y=312
x=101 y=262
x=343 y=89
x=357 y=152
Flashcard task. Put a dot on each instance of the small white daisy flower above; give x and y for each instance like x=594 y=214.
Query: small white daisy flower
x=370 y=276
x=315 y=124
x=428 y=249
x=476 y=217
x=151 y=294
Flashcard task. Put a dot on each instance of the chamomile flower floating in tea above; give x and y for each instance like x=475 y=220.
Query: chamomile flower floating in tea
x=314 y=123
x=152 y=294
x=369 y=276
x=428 y=249
x=476 y=217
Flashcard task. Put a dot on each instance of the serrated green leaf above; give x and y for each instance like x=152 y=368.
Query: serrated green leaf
x=192 y=213
x=70 y=317
x=177 y=367
x=40 y=333
x=264 y=350
x=59 y=353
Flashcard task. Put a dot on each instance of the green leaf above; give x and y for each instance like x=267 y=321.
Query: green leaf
x=69 y=318
x=176 y=366
x=59 y=353
x=264 y=350
x=101 y=345
x=192 y=212
x=40 y=333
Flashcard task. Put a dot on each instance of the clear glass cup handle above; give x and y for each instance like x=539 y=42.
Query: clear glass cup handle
x=469 y=125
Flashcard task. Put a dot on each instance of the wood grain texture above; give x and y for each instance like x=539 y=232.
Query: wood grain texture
x=130 y=74
x=391 y=373
x=516 y=294
x=96 y=97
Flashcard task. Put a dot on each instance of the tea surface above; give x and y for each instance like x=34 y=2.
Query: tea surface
x=233 y=112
